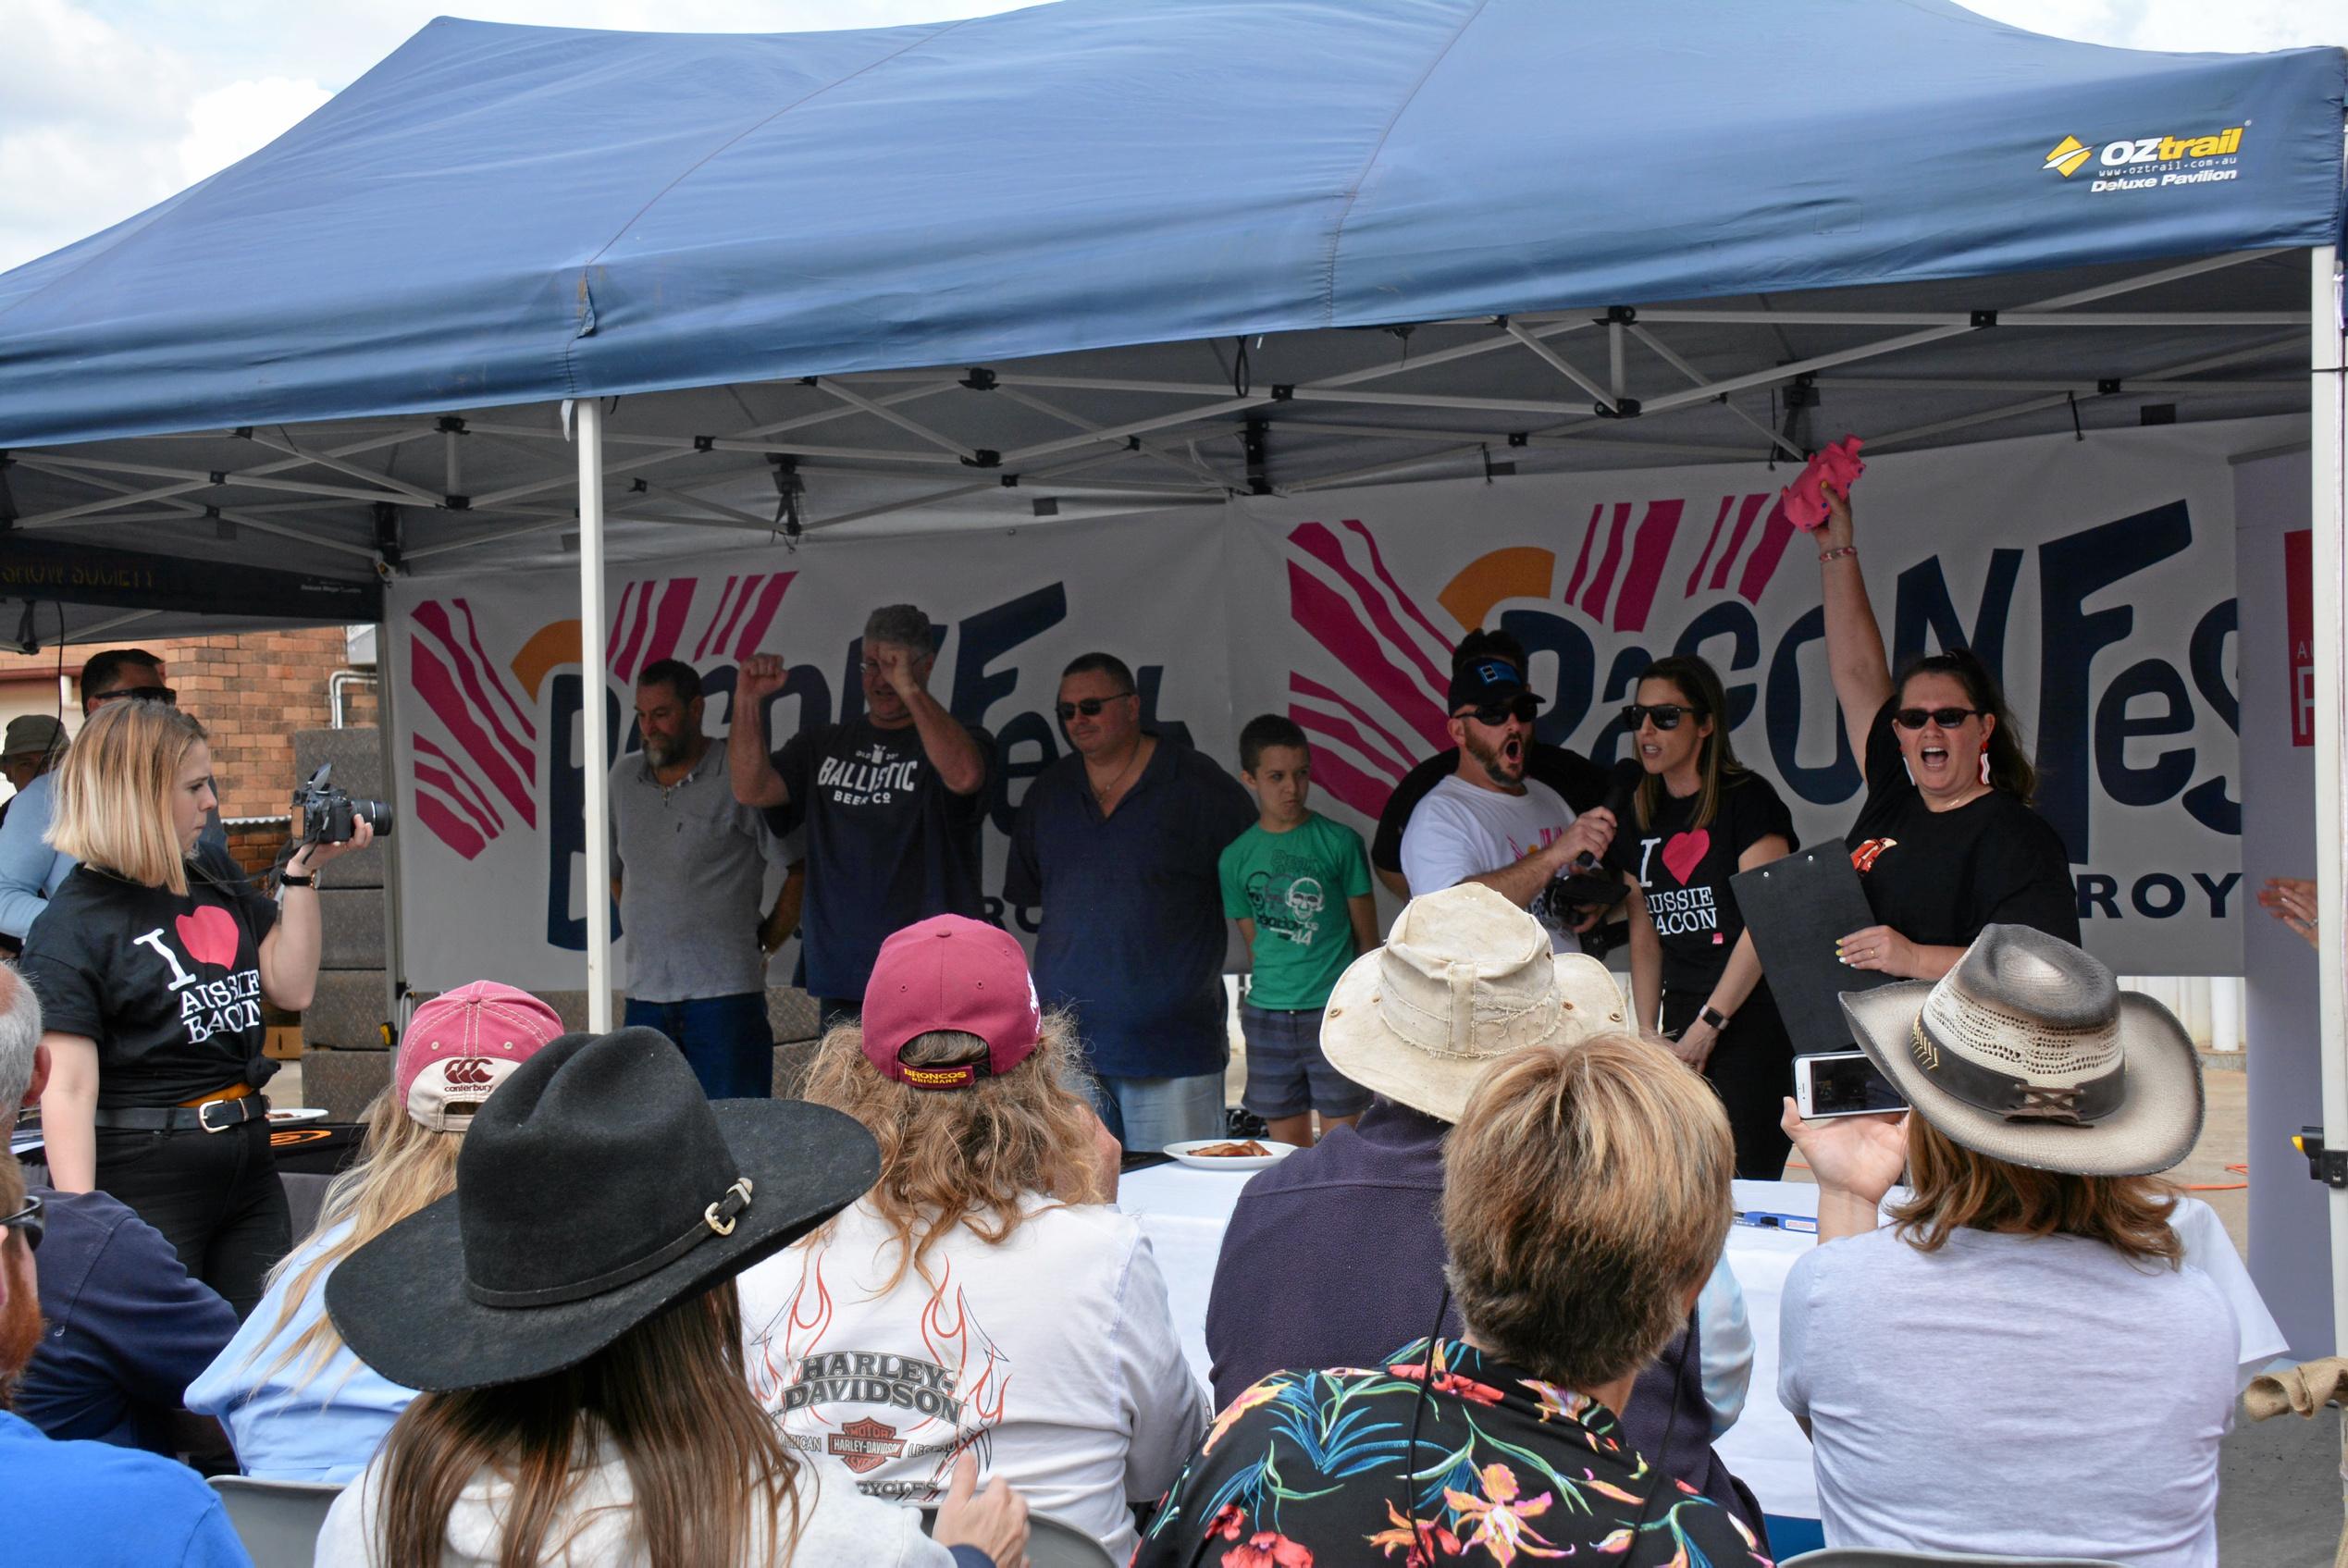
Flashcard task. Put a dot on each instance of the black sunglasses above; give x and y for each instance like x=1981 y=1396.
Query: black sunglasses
x=1525 y=706
x=28 y=1220
x=164 y=695
x=1946 y=718
x=1090 y=707
x=1666 y=715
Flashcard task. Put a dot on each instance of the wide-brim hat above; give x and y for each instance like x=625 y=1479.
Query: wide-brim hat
x=596 y=1188
x=1464 y=978
x=2028 y=1051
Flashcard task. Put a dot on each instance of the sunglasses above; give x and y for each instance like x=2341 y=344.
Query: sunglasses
x=164 y=695
x=1946 y=718
x=1090 y=707
x=28 y=1220
x=1524 y=707
x=1666 y=715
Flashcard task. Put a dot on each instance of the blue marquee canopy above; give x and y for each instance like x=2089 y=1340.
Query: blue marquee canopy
x=498 y=214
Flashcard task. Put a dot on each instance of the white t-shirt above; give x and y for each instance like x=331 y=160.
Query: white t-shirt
x=2039 y=1396
x=1054 y=1353
x=839 y=1527
x=1462 y=831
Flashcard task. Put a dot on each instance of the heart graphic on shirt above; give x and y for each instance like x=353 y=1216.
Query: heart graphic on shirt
x=1683 y=852
x=210 y=936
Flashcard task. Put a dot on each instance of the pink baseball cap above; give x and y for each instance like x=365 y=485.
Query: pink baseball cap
x=461 y=1045
x=949 y=972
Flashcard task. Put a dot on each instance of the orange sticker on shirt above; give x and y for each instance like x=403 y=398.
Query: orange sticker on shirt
x=1863 y=858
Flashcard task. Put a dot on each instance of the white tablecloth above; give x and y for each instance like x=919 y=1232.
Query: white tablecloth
x=1184 y=1211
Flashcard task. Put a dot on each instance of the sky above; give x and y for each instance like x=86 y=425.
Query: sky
x=108 y=106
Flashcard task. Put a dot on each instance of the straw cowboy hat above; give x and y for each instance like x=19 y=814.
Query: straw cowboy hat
x=597 y=1187
x=2028 y=1051
x=1465 y=977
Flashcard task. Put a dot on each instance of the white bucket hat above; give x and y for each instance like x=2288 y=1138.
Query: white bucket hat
x=1465 y=977
x=2028 y=1051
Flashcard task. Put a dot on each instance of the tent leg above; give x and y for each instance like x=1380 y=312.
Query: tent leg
x=395 y=945
x=592 y=739
x=2329 y=414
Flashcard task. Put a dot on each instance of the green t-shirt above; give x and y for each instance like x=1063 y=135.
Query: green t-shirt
x=1294 y=885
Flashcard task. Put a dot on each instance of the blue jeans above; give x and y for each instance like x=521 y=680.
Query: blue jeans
x=1146 y=1114
x=726 y=1041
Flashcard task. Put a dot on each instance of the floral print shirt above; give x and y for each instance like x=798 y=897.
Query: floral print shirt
x=1309 y=1467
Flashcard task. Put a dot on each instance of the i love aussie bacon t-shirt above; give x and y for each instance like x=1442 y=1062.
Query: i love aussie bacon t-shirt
x=169 y=987
x=1683 y=871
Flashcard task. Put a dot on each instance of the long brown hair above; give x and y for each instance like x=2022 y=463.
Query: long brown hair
x=1955 y=1188
x=1716 y=762
x=402 y=1166
x=669 y=1394
x=2009 y=765
x=963 y=1156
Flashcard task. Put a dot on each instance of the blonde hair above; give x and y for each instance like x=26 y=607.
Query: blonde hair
x=1585 y=1195
x=1954 y=1187
x=113 y=793
x=402 y=1166
x=963 y=1156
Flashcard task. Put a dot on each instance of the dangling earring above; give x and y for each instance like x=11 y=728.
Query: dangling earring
x=1985 y=762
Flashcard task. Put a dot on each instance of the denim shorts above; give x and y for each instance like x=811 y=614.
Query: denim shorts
x=1287 y=1075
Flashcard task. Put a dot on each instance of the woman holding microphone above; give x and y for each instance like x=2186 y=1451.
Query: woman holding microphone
x=151 y=972
x=1699 y=817
x=1945 y=841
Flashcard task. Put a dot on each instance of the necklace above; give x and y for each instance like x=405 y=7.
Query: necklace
x=1100 y=792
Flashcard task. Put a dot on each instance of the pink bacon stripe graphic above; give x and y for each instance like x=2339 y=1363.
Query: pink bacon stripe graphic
x=1399 y=749
x=754 y=628
x=442 y=695
x=1776 y=535
x=1746 y=510
x=702 y=647
x=1337 y=627
x=1711 y=542
x=467 y=794
x=479 y=677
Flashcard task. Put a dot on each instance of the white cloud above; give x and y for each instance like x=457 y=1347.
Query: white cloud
x=2180 y=26
x=229 y=122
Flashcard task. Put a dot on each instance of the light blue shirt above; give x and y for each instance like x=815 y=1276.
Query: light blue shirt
x=30 y=870
x=325 y=1430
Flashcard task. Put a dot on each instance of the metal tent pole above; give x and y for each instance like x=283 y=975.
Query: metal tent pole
x=597 y=893
x=2328 y=415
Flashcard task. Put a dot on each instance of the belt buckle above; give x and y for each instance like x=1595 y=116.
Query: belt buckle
x=204 y=1121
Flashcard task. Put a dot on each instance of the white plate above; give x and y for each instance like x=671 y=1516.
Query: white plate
x=1182 y=1152
x=294 y=1114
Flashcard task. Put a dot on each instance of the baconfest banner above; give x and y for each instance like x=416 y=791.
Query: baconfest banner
x=2095 y=576
x=487 y=749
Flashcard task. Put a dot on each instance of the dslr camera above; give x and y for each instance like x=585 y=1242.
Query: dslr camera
x=331 y=815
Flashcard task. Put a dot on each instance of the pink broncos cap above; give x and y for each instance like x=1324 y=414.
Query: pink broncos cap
x=949 y=972
x=461 y=1045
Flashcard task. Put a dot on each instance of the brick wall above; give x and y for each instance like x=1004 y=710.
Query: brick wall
x=252 y=691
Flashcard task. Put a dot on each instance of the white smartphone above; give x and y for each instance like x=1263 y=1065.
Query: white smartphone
x=1842 y=1083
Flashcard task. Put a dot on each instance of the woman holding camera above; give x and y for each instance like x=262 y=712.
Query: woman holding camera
x=151 y=972
x=1698 y=819
x=1945 y=841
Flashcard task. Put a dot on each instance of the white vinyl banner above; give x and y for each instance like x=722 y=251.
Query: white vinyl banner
x=490 y=789
x=2096 y=576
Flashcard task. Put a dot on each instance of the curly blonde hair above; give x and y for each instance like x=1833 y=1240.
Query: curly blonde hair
x=964 y=1156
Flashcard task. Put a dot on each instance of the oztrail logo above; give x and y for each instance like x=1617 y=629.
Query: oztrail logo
x=2149 y=163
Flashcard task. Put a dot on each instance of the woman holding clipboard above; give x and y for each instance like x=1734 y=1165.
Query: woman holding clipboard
x=1696 y=819
x=1945 y=841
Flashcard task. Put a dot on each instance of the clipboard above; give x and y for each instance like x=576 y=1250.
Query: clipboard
x=1796 y=908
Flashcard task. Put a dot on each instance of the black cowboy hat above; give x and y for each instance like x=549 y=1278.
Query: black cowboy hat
x=597 y=1187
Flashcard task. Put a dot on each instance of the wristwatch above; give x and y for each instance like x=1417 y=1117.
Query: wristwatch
x=290 y=879
x=1715 y=1016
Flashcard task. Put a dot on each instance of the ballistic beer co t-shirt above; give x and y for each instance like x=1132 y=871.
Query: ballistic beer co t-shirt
x=168 y=986
x=1683 y=871
x=1938 y=877
x=887 y=844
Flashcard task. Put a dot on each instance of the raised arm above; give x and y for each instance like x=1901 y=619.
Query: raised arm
x=289 y=951
x=1854 y=642
x=952 y=750
x=746 y=764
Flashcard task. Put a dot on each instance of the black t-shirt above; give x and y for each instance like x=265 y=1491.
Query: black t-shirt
x=1938 y=877
x=169 y=987
x=1684 y=872
x=1582 y=782
x=887 y=844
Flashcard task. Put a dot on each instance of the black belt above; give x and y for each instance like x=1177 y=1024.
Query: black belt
x=213 y=1116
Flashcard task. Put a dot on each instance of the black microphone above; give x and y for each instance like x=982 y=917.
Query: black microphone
x=1587 y=882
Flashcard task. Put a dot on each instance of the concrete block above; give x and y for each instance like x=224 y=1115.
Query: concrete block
x=791 y=1063
x=344 y=1083
x=352 y=921
x=791 y=1013
x=357 y=755
x=347 y=1011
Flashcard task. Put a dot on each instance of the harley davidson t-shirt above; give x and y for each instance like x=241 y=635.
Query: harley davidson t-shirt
x=167 y=986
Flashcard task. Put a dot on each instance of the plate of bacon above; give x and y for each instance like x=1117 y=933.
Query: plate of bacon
x=1229 y=1153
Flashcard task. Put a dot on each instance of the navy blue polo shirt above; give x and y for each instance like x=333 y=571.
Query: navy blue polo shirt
x=1132 y=940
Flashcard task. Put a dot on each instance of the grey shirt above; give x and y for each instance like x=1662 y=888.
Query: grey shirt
x=692 y=863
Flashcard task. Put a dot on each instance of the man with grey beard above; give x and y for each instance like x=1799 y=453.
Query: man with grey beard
x=689 y=869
